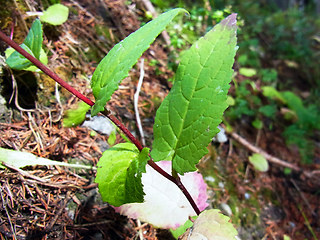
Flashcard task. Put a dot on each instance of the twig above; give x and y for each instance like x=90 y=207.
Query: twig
x=8 y=215
x=57 y=95
x=140 y=229
x=91 y=224
x=135 y=102
x=270 y=158
x=154 y=13
x=36 y=179
x=35 y=133
x=15 y=95
x=106 y=112
x=303 y=197
x=57 y=215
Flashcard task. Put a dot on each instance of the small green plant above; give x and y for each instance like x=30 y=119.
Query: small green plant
x=185 y=122
x=33 y=45
x=56 y=14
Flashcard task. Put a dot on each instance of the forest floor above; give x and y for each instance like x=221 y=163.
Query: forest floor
x=60 y=203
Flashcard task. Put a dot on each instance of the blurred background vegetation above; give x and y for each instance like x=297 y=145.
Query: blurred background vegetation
x=278 y=74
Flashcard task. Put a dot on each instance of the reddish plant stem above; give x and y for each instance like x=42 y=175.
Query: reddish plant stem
x=44 y=68
x=73 y=91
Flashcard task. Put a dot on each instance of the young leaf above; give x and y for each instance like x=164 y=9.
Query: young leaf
x=211 y=225
x=259 y=162
x=188 y=118
x=183 y=228
x=34 y=38
x=55 y=14
x=75 y=117
x=116 y=65
x=32 y=44
x=119 y=174
x=248 y=72
x=16 y=61
x=22 y=159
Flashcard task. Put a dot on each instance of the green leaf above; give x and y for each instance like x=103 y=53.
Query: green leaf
x=75 y=117
x=23 y=159
x=55 y=14
x=16 y=61
x=34 y=38
x=116 y=65
x=248 y=72
x=259 y=162
x=176 y=233
x=33 y=45
x=272 y=93
x=43 y=58
x=119 y=174
x=257 y=123
x=112 y=138
x=211 y=225
x=268 y=110
x=188 y=118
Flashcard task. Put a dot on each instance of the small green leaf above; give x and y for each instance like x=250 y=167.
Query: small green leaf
x=33 y=45
x=43 y=58
x=16 y=60
x=287 y=171
x=55 y=14
x=259 y=162
x=116 y=65
x=248 y=72
x=112 y=138
x=34 y=38
x=119 y=174
x=286 y=237
x=268 y=110
x=257 y=123
x=188 y=118
x=231 y=101
x=22 y=159
x=271 y=92
x=75 y=117
x=211 y=225
x=176 y=233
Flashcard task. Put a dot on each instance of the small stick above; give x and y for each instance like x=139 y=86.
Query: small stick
x=8 y=215
x=135 y=102
x=270 y=158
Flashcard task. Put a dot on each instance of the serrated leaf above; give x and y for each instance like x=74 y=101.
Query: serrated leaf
x=259 y=162
x=22 y=159
x=116 y=65
x=211 y=225
x=119 y=174
x=55 y=14
x=75 y=117
x=188 y=118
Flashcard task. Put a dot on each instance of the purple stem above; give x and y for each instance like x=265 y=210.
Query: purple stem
x=73 y=91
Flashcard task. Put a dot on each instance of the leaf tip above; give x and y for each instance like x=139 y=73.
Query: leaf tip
x=230 y=21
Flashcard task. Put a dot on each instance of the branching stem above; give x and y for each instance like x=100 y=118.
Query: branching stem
x=73 y=91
